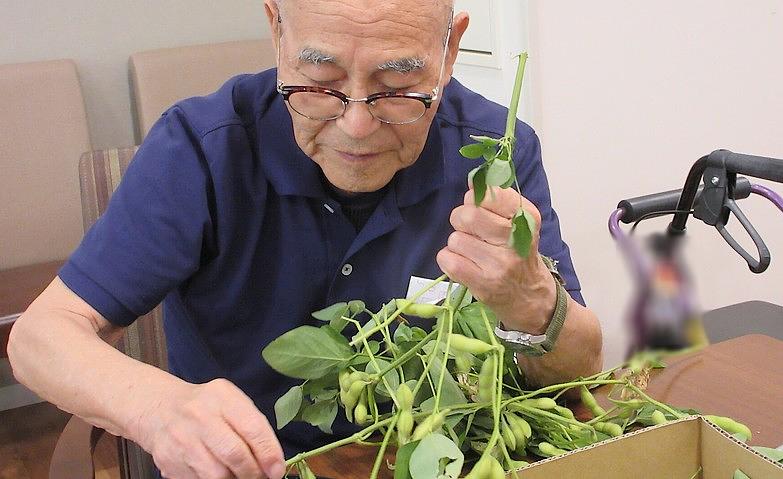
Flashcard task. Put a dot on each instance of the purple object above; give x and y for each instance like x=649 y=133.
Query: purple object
x=766 y=193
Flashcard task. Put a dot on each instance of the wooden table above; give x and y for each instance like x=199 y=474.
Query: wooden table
x=18 y=288
x=741 y=378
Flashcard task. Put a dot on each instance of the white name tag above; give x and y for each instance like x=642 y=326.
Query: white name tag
x=434 y=295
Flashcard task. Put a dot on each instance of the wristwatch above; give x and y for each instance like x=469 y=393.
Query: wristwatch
x=540 y=344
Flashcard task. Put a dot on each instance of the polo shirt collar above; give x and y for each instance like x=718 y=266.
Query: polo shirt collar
x=292 y=173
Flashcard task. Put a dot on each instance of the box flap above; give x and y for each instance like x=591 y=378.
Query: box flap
x=722 y=455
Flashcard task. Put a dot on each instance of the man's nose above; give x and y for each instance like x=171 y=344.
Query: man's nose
x=358 y=122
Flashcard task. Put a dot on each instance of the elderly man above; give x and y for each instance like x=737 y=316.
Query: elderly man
x=335 y=177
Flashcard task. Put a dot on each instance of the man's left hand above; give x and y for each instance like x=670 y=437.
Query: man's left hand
x=521 y=291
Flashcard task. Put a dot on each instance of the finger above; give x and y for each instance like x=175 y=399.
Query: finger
x=458 y=268
x=230 y=449
x=489 y=258
x=503 y=201
x=482 y=223
x=204 y=464
x=172 y=467
x=255 y=430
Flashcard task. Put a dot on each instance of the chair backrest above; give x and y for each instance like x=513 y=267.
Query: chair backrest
x=43 y=131
x=160 y=78
x=100 y=173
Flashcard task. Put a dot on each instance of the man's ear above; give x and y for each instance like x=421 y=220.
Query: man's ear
x=458 y=28
x=272 y=13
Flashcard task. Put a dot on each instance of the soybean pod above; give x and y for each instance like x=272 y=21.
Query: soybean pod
x=589 y=401
x=487 y=379
x=470 y=345
x=730 y=426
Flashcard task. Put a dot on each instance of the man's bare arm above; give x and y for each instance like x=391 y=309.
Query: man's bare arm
x=60 y=349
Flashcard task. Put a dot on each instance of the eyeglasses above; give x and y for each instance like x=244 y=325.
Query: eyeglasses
x=324 y=104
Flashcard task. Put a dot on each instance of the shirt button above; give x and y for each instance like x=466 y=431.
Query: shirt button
x=347 y=269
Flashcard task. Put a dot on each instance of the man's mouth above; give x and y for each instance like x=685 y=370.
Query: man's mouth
x=356 y=156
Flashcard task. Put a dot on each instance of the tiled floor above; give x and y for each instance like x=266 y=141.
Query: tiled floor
x=27 y=439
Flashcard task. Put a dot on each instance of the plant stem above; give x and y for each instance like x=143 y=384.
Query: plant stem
x=461 y=292
x=382 y=377
x=394 y=315
x=657 y=404
x=408 y=354
x=450 y=322
x=379 y=458
x=508 y=459
x=554 y=417
x=557 y=387
x=342 y=442
x=511 y=121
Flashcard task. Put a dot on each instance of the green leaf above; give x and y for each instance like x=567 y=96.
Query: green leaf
x=334 y=315
x=499 y=173
x=512 y=177
x=308 y=352
x=451 y=393
x=775 y=454
x=375 y=346
x=287 y=407
x=356 y=306
x=403 y=333
x=417 y=334
x=478 y=178
x=321 y=414
x=485 y=140
x=332 y=312
x=522 y=230
x=391 y=377
x=490 y=155
x=402 y=462
x=425 y=462
x=474 y=150
x=470 y=317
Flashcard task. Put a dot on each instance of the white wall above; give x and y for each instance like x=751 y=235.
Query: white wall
x=101 y=35
x=627 y=95
x=507 y=36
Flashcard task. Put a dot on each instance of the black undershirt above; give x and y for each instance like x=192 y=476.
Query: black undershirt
x=357 y=207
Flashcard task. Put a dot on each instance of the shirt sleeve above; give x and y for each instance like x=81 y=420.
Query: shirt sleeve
x=151 y=237
x=535 y=187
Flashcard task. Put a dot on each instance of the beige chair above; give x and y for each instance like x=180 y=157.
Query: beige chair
x=43 y=131
x=100 y=173
x=160 y=78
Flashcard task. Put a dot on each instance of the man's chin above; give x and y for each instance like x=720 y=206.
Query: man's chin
x=358 y=185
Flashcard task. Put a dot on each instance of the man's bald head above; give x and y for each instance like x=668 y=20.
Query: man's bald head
x=440 y=7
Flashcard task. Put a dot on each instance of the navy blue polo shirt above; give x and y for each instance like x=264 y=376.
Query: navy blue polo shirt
x=223 y=218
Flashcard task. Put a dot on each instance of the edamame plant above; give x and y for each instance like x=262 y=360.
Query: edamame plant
x=451 y=398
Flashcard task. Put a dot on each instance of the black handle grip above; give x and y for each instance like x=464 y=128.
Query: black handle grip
x=755 y=166
x=635 y=208
x=732 y=163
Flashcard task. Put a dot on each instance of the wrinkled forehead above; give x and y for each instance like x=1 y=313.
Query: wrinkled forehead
x=348 y=27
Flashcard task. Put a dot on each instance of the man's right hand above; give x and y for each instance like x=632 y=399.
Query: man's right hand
x=210 y=430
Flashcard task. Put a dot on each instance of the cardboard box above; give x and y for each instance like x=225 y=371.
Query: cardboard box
x=673 y=450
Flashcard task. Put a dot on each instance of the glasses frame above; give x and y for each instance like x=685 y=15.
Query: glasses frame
x=427 y=99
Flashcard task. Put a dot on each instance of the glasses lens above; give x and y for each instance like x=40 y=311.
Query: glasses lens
x=398 y=110
x=316 y=106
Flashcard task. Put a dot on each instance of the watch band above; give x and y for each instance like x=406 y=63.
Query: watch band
x=538 y=345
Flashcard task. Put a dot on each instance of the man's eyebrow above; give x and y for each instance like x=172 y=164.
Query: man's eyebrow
x=315 y=56
x=403 y=65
